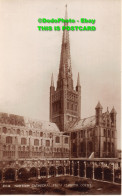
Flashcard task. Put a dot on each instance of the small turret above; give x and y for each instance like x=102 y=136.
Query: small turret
x=98 y=113
x=113 y=114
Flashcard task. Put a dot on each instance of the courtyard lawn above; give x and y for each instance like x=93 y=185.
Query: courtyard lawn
x=62 y=185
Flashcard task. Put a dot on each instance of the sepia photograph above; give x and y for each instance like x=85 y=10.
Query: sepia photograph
x=60 y=97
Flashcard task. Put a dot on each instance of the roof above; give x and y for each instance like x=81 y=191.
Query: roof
x=42 y=125
x=83 y=123
x=16 y=120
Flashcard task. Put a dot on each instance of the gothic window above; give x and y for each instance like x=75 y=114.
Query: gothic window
x=73 y=135
x=18 y=131
x=47 y=142
x=74 y=148
x=81 y=133
x=84 y=133
x=23 y=141
x=81 y=146
x=108 y=146
x=9 y=140
x=90 y=146
x=36 y=142
x=104 y=132
x=30 y=132
x=112 y=134
x=91 y=133
x=4 y=147
x=105 y=146
x=108 y=133
x=4 y=130
x=19 y=148
x=66 y=140
x=112 y=147
x=107 y=122
x=57 y=139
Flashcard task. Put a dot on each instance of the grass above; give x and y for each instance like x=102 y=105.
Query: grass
x=62 y=185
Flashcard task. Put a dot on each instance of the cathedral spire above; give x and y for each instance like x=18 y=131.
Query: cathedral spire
x=65 y=70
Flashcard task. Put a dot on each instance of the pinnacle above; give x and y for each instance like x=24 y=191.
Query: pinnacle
x=113 y=110
x=52 y=81
x=99 y=106
x=78 y=80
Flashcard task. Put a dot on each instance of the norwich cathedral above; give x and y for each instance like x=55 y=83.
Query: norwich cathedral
x=26 y=144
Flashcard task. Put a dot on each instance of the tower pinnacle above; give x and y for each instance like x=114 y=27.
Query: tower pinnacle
x=78 y=80
x=52 y=81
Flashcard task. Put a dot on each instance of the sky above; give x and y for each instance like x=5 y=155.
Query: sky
x=29 y=56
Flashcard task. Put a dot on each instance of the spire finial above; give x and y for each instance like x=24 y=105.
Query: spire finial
x=52 y=81
x=66 y=15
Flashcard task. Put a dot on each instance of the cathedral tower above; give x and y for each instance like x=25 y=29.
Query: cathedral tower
x=65 y=102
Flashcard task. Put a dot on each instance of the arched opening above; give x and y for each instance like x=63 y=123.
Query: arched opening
x=43 y=171
x=33 y=172
x=107 y=174
x=0 y=174
x=52 y=171
x=98 y=173
x=117 y=176
x=23 y=174
x=71 y=167
x=67 y=170
x=60 y=170
x=89 y=171
x=9 y=174
x=81 y=168
x=75 y=168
